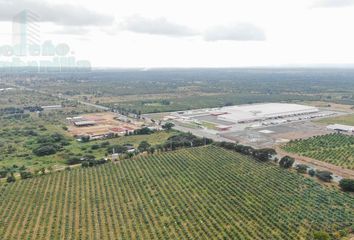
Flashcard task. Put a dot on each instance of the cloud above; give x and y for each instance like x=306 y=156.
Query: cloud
x=235 y=32
x=332 y=3
x=75 y=30
x=60 y=14
x=157 y=26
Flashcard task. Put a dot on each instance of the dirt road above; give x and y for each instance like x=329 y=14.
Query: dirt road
x=336 y=170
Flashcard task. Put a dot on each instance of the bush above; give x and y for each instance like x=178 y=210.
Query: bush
x=325 y=176
x=264 y=154
x=321 y=236
x=301 y=168
x=45 y=150
x=143 y=131
x=11 y=179
x=95 y=146
x=3 y=173
x=105 y=144
x=25 y=175
x=85 y=138
x=286 y=162
x=57 y=137
x=347 y=185
x=168 y=126
x=144 y=146
x=73 y=160
x=312 y=172
x=44 y=139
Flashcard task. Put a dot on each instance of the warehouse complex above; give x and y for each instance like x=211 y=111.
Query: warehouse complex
x=266 y=111
x=251 y=113
x=261 y=119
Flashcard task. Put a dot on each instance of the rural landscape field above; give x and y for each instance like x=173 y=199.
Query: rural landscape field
x=205 y=192
x=333 y=148
x=176 y=120
x=97 y=165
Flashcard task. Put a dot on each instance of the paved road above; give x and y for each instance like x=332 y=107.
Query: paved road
x=93 y=105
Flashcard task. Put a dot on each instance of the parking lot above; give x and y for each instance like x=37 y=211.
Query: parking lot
x=274 y=135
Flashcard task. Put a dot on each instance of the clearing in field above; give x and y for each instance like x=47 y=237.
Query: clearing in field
x=199 y=193
x=337 y=149
x=99 y=125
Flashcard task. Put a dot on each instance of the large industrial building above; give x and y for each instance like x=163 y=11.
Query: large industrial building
x=266 y=113
x=259 y=112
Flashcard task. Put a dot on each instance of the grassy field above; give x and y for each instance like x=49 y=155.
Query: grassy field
x=346 y=120
x=337 y=149
x=209 y=125
x=199 y=193
x=18 y=138
x=86 y=148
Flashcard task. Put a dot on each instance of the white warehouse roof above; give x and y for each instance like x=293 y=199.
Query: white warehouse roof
x=341 y=127
x=253 y=112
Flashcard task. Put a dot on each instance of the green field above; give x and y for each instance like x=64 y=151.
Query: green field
x=346 y=120
x=199 y=193
x=337 y=149
x=19 y=137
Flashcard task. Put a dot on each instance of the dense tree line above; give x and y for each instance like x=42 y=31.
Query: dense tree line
x=86 y=161
x=93 y=162
x=262 y=155
x=183 y=140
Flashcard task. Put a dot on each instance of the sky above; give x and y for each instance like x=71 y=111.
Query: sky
x=193 y=33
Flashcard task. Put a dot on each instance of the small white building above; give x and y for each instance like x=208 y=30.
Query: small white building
x=51 y=107
x=84 y=123
x=341 y=128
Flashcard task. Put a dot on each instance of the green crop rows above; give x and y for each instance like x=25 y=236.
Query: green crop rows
x=337 y=149
x=199 y=193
